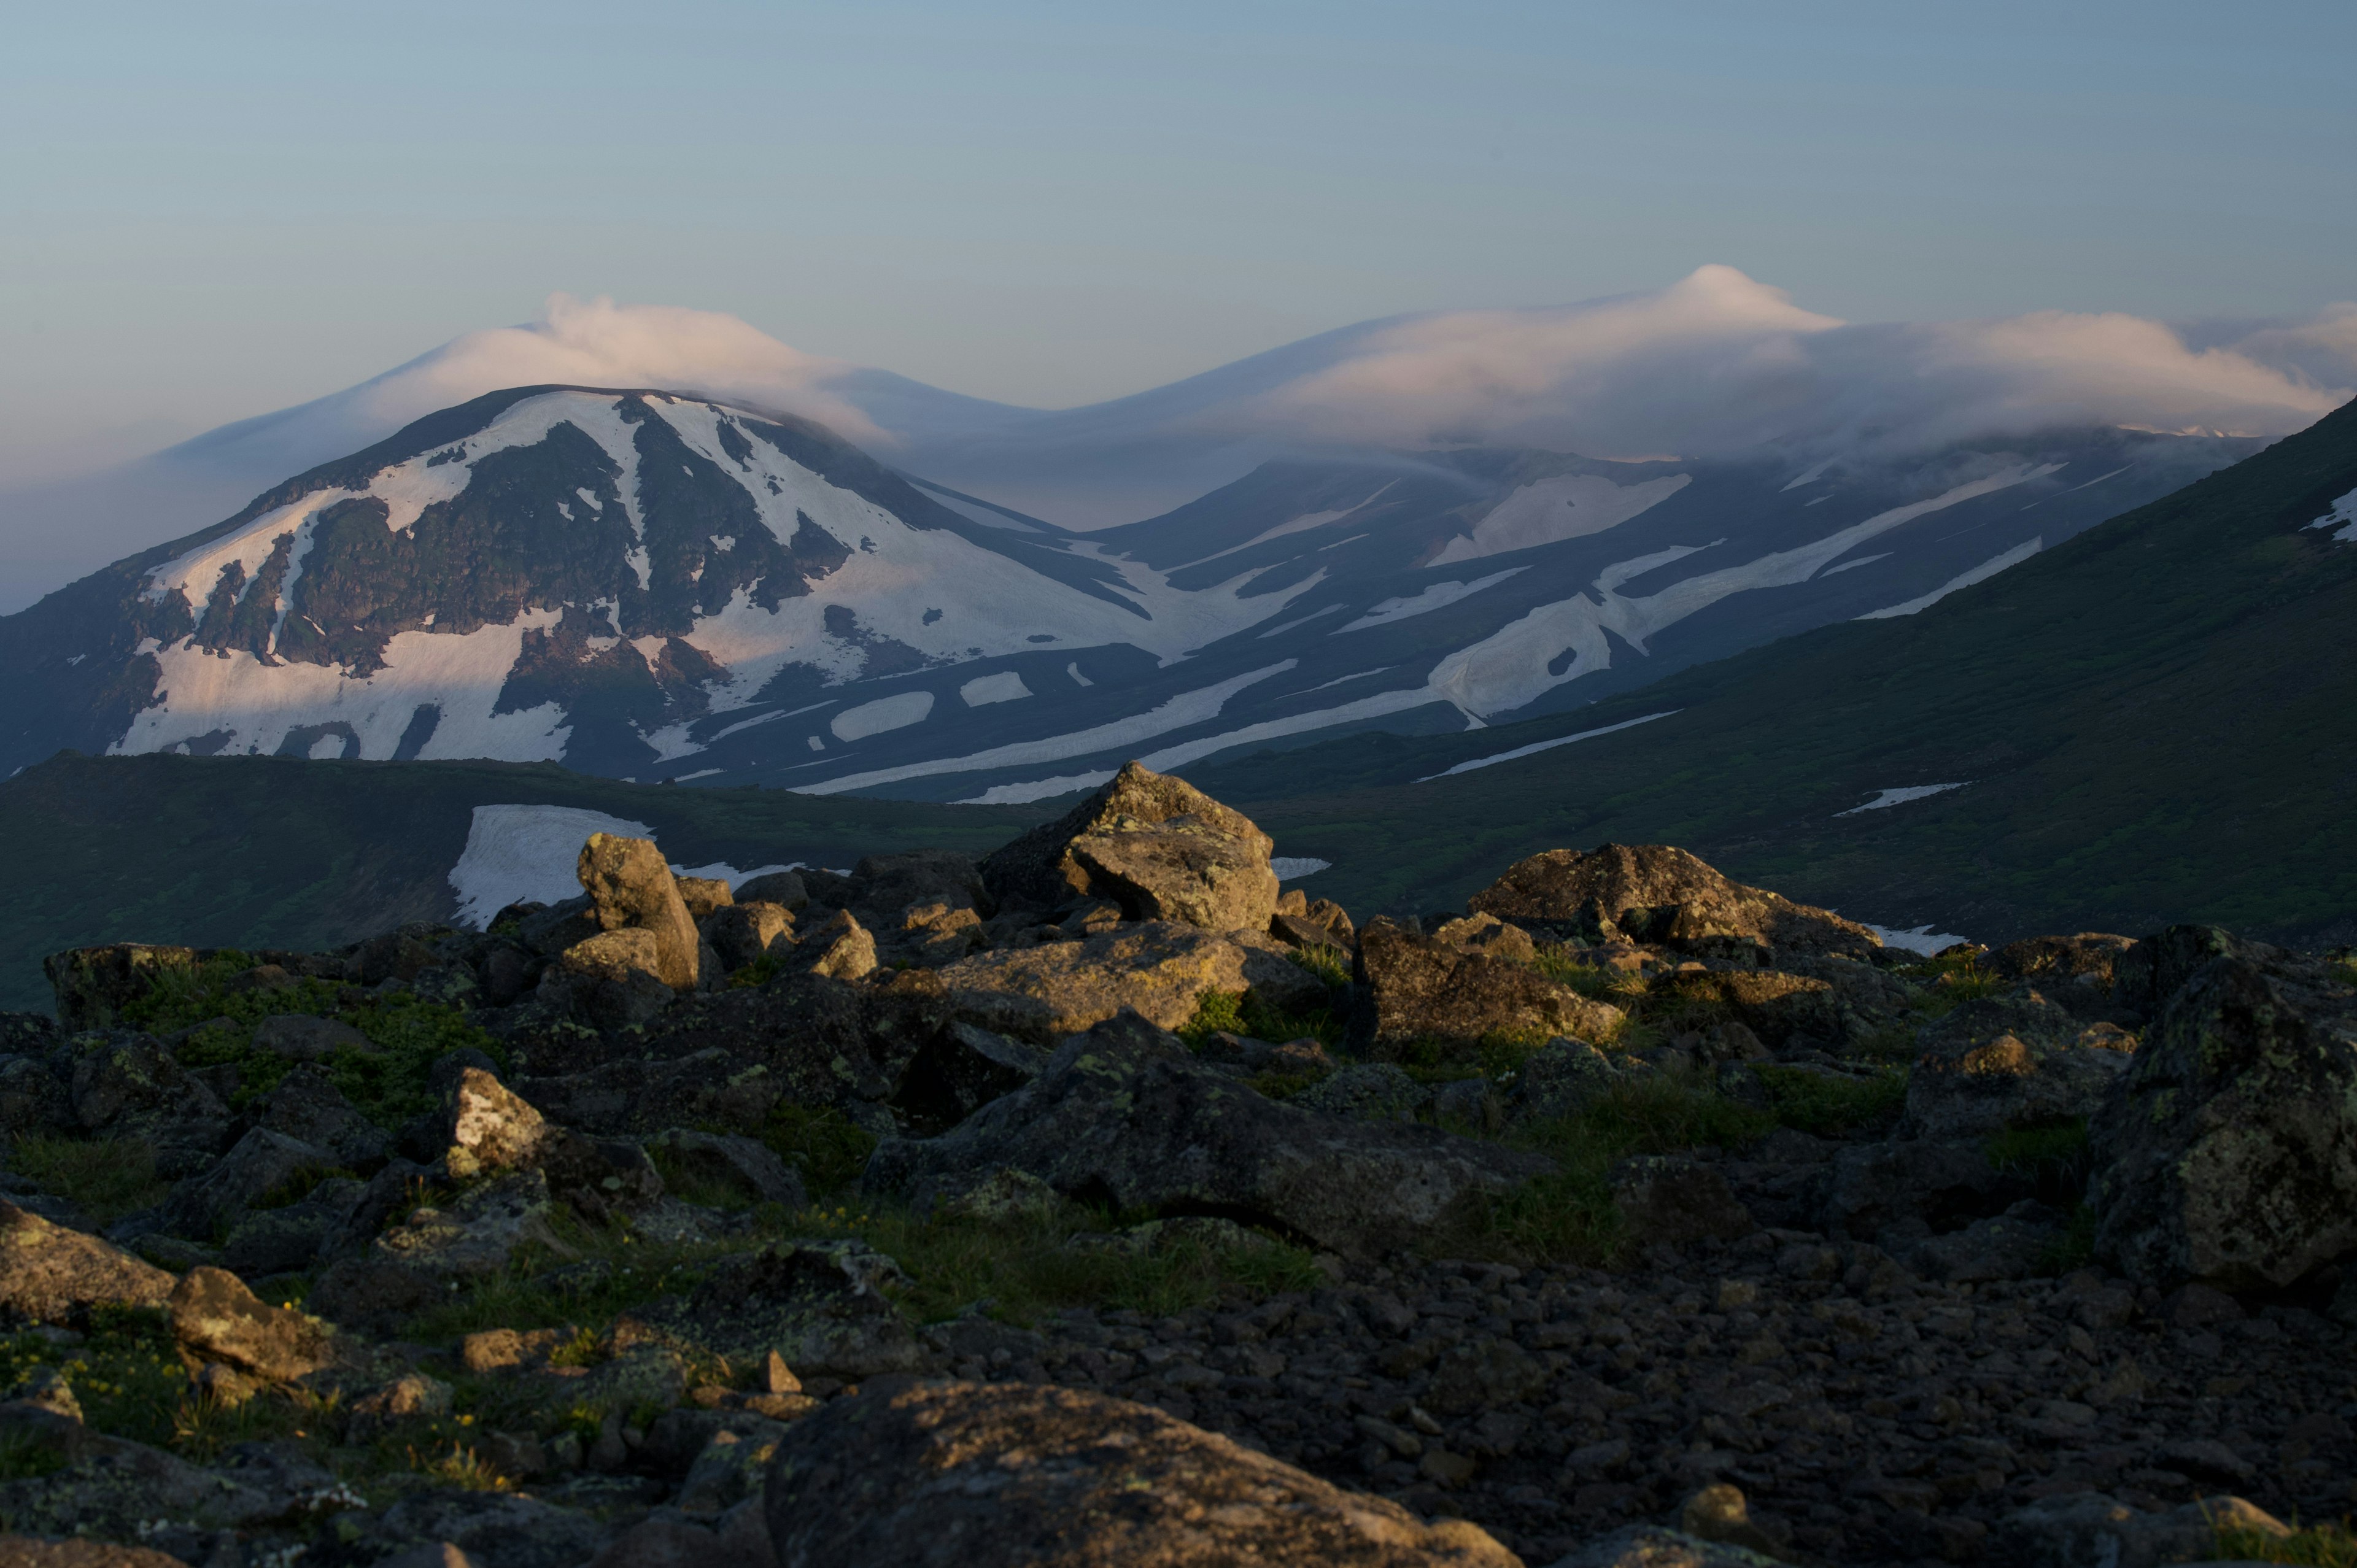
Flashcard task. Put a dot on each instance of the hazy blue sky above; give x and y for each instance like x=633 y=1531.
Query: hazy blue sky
x=211 y=210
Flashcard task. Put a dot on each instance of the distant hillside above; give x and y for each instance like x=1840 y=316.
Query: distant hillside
x=2155 y=721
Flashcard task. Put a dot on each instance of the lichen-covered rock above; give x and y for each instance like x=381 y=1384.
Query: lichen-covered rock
x=1415 y=991
x=2229 y=1155
x=1662 y=894
x=216 y=1318
x=2002 y=1063
x=1367 y=1091
x=1159 y=970
x=783 y=888
x=1560 y=1079
x=601 y=1179
x=417 y=1259
x=2093 y=976
x=630 y=888
x=820 y=1305
x=93 y=986
x=703 y=896
x=299 y=1037
x=740 y=933
x=33 y=1097
x=488 y=1127
x=1910 y=1188
x=50 y=1274
x=1023 y=1477
x=1157 y=846
x=307 y=1105
x=1126 y=1115
x=126 y=1085
x=725 y=1159
x=838 y=948
x=1651 y=1546
x=959 y=1072
x=1662 y=1197
x=490 y=1531
x=261 y=1163
x=2090 y=1530
x=26 y=1552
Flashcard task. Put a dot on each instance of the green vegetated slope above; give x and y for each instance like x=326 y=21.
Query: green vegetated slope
x=2155 y=721
x=271 y=852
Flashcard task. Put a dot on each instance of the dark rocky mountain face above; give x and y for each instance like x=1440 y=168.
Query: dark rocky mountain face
x=644 y=585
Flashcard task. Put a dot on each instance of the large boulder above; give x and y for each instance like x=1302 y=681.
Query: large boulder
x=51 y=1274
x=484 y=1127
x=1159 y=970
x=93 y=986
x=1416 y=990
x=2231 y=1155
x=1018 y=1476
x=1125 y=1115
x=630 y=888
x=820 y=1306
x=2093 y=976
x=260 y=1166
x=1157 y=846
x=126 y=1085
x=2003 y=1063
x=1658 y=893
x=216 y=1318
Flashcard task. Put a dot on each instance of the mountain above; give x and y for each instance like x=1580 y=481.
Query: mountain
x=2155 y=721
x=647 y=585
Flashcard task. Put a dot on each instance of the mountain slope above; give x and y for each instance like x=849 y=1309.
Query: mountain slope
x=2155 y=721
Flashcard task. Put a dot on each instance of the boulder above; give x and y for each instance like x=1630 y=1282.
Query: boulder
x=126 y=1085
x=2008 y=1247
x=1417 y=993
x=414 y=1263
x=1651 y=1546
x=26 y=1552
x=1666 y=1198
x=1159 y=970
x=50 y=1274
x=997 y=1477
x=1125 y=1115
x=881 y=885
x=480 y=1530
x=723 y=1159
x=283 y=1240
x=959 y=1072
x=838 y=947
x=93 y=986
x=307 y=1105
x=1659 y=895
x=33 y=1098
x=608 y=980
x=704 y=895
x=1912 y=1187
x=2002 y=1063
x=260 y=1164
x=2229 y=1155
x=2090 y=1530
x=216 y=1318
x=1367 y=1091
x=549 y=930
x=783 y=887
x=1303 y=922
x=740 y=933
x=1157 y=846
x=630 y=888
x=485 y=1127
x=1488 y=936
x=2093 y=976
x=1561 y=1078
x=600 y=1179
x=712 y=1086
x=1784 y=1011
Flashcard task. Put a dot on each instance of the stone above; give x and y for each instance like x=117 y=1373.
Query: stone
x=307 y=1106
x=50 y=1274
x=1157 y=846
x=487 y=1127
x=33 y=1098
x=288 y=1238
x=2090 y=1530
x=2003 y=1063
x=1367 y=1091
x=839 y=948
x=410 y=1397
x=1651 y=1546
x=414 y=1262
x=600 y=1179
x=2010 y=1246
x=1933 y=1186
x=749 y=1166
x=630 y=888
x=781 y=887
x=216 y=1318
x=2093 y=976
x=1487 y=935
x=1561 y=1078
x=299 y=1037
x=1663 y=895
x=260 y=1164
x=959 y=1072
x=997 y=1477
x=549 y=931
x=703 y=896
x=126 y=1085
x=1784 y=1011
x=1480 y=1375
x=26 y=1552
x=2230 y=1154
x=490 y=1531
x=741 y=933
x=1158 y=970
x=1720 y=1512
x=1666 y=1199
x=92 y=985
x=29 y=1427
x=1125 y=1115
x=821 y=1305
x=1416 y=991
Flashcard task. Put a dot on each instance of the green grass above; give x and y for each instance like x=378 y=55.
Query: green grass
x=2075 y=1248
x=1831 y=1107
x=2316 y=1546
x=1241 y=1013
x=126 y=1372
x=827 y=1147
x=1592 y=981
x=2059 y=1151
x=106 y=1179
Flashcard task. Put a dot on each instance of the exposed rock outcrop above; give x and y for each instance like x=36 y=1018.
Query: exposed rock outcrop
x=1655 y=893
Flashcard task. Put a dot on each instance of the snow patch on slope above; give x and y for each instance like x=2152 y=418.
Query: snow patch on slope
x=2342 y=518
x=1006 y=686
x=1980 y=574
x=519 y=852
x=1886 y=799
x=1537 y=746
x=898 y=710
x=1547 y=511
x=1433 y=596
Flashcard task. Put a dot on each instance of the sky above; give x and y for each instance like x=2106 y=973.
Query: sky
x=209 y=212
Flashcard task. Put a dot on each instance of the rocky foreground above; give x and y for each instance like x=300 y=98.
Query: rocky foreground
x=1096 y=1203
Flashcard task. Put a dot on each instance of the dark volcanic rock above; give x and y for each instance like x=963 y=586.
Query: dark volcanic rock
x=821 y=1305
x=1654 y=892
x=997 y=1477
x=960 y=1071
x=127 y=1086
x=1414 y=989
x=2231 y=1155
x=1157 y=846
x=2015 y=1061
x=94 y=984
x=1125 y=1115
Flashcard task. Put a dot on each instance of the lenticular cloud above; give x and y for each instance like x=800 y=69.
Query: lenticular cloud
x=1719 y=364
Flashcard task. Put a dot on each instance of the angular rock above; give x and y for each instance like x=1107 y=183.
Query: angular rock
x=2093 y=976
x=819 y=1304
x=33 y=1098
x=1125 y=1115
x=1488 y=936
x=601 y=1179
x=299 y=1037
x=485 y=1127
x=1661 y=894
x=1157 y=846
x=961 y=1071
x=2003 y=1063
x=1367 y=1091
x=26 y=1552
x=1916 y=1185
x=839 y=948
x=93 y=986
x=1419 y=992
x=260 y=1164
x=1662 y=1197
x=726 y=1159
x=486 y=1529
x=740 y=933
x=1560 y=1079
x=127 y=1085
x=2229 y=1155
x=1651 y=1546
x=50 y=1274
x=216 y=1318
x=1158 y=970
x=882 y=886
x=783 y=888
x=414 y=1263
x=283 y=1240
x=704 y=895
x=2089 y=1530
x=1047 y=1477
x=2008 y=1247
x=630 y=888
x=1783 y=1011
x=307 y=1105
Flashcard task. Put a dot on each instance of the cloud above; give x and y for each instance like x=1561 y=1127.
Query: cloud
x=1719 y=363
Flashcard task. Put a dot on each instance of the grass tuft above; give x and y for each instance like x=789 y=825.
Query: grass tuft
x=1831 y=1107
x=2317 y=1546
x=106 y=1179
x=825 y=1145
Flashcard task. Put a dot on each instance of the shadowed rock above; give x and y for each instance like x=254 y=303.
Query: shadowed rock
x=2005 y=1062
x=1655 y=893
x=1018 y=1476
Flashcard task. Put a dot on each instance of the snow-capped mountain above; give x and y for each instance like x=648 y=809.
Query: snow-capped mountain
x=650 y=585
